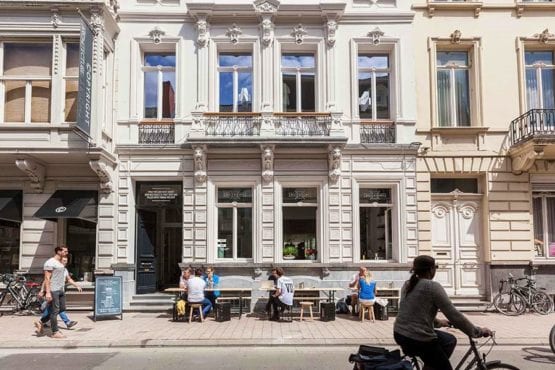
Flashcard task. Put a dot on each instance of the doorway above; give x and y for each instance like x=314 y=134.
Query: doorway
x=159 y=235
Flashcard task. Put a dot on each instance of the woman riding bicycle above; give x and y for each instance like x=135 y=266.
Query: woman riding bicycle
x=421 y=298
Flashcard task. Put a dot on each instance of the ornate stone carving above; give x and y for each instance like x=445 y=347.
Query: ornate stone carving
x=156 y=35
x=331 y=27
x=34 y=171
x=97 y=21
x=203 y=32
x=439 y=211
x=267 y=28
x=544 y=36
x=467 y=211
x=456 y=37
x=56 y=53
x=199 y=157
x=334 y=162
x=233 y=33
x=524 y=161
x=266 y=6
x=376 y=34
x=55 y=19
x=267 y=162
x=102 y=171
x=299 y=33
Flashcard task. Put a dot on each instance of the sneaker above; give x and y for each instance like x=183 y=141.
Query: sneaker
x=39 y=328
x=57 y=335
x=71 y=324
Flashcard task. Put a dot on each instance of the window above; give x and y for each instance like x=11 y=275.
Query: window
x=298 y=73
x=71 y=78
x=235 y=73
x=540 y=79
x=373 y=86
x=544 y=224
x=27 y=83
x=453 y=88
x=375 y=224
x=300 y=216
x=450 y=185
x=234 y=223
x=81 y=240
x=159 y=79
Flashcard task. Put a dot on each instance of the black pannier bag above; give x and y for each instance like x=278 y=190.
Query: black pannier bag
x=376 y=358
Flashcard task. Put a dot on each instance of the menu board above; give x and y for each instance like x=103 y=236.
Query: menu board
x=160 y=195
x=108 y=300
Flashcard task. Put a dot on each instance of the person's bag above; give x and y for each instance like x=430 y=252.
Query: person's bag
x=341 y=307
x=377 y=358
x=180 y=307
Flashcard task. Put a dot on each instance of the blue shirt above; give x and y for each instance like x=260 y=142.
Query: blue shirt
x=216 y=281
x=366 y=290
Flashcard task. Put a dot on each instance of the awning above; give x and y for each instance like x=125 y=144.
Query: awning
x=10 y=205
x=81 y=204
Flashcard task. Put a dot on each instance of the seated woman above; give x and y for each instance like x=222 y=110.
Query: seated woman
x=366 y=289
x=212 y=281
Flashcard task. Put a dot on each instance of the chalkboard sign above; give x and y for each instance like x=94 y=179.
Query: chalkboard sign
x=108 y=300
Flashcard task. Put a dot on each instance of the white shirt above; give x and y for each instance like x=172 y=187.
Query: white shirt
x=286 y=290
x=195 y=289
x=58 y=278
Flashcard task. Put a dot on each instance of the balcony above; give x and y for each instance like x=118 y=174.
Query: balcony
x=532 y=137
x=302 y=124
x=232 y=124
x=157 y=132
x=377 y=132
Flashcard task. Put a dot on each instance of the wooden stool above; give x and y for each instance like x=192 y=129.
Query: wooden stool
x=366 y=306
x=198 y=306
x=303 y=305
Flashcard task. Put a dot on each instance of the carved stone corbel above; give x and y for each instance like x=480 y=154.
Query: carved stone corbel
x=267 y=162
x=102 y=170
x=199 y=157
x=267 y=30
x=524 y=161
x=330 y=28
x=299 y=33
x=376 y=35
x=233 y=33
x=55 y=19
x=266 y=9
x=156 y=35
x=456 y=37
x=203 y=31
x=544 y=36
x=334 y=162
x=34 y=171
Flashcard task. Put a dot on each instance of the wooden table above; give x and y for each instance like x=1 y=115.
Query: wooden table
x=329 y=292
x=178 y=291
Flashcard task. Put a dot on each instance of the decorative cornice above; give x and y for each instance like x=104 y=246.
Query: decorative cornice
x=156 y=35
x=199 y=157
x=376 y=34
x=102 y=170
x=36 y=173
x=266 y=6
x=233 y=33
x=544 y=36
x=299 y=33
x=267 y=162
x=334 y=162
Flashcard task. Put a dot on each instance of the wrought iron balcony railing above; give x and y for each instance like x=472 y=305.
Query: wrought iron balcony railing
x=377 y=132
x=232 y=124
x=157 y=133
x=302 y=124
x=535 y=123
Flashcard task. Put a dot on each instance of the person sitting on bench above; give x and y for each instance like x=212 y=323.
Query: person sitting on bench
x=283 y=296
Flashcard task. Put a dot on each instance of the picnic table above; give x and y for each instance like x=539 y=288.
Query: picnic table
x=241 y=291
x=329 y=292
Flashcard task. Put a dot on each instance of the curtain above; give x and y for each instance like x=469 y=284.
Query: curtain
x=462 y=98
x=547 y=86
x=539 y=243
x=532 y=89
x=443 y=92
x=551 y=225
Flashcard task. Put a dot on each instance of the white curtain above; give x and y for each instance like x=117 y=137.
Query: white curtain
x=364 y=101
x=443 y=92
x=532 y=95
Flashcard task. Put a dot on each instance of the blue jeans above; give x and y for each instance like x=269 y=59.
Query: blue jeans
x=46 y=316
x=435 y=353
x=206 y=306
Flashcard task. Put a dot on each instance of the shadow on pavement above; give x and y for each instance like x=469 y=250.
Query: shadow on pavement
x=542 y=355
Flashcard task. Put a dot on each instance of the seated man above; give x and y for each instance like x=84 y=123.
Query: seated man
x=283 y=296
x=352 y=300
x=195 y=292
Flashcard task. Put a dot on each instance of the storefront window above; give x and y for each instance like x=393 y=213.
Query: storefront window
x=9 y=246
x=544 y=225
x=81 y=242
x=300 y=216
x=234 y=223
x=375 y=224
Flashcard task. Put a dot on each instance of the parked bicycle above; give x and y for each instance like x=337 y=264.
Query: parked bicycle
x=513 y=299
x=552 y=339
x=21 y=295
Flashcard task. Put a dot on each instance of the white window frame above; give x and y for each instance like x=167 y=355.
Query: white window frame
x=452 y=68
x=66 y=78
x=388 y=209
x=298 y=78
x=235 y=70
x=160 y=83
x=373 y=71
x=538 y=67
x=545 y=223
x=472 y=45
x=28 y=83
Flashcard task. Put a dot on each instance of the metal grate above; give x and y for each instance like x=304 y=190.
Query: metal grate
x=303 y=125
x=535 y=123
x=377 y=133
x=159 y=133
x=232 y=125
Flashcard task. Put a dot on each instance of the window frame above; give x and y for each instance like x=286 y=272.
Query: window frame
x=67 y=78
x=160 y=84
x=27 y=115
x=373 y=71
x=235 y=70
x=538 y=67
x=452 y=68
x=298 y=80
x=545 y=224
x=472 y=46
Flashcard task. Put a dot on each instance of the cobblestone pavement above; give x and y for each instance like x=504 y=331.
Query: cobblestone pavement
x=151 y=329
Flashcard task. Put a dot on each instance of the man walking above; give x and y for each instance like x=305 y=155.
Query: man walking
x=54 y=282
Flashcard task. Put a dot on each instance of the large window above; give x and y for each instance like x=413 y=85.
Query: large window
x=71 y=77
x=373 y=87
x=81 y=241
x=27 y=76
x=9 y=246
x=544 y=224
x=159 y=78
x=234 y=223
x=375 y=224
x=453 y=88
x=298 y=73
x=540 y=79
x=300 y=219
x=235 y=74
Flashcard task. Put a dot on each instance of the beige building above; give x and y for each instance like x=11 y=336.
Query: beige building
x=486 y=118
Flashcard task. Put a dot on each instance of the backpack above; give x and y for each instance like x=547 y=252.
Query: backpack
x=180 y=307
x=376 y=358
x=341 y=306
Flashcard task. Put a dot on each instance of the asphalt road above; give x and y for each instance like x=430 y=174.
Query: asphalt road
x=322 y=357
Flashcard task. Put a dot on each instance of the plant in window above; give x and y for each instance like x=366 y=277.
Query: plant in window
x=311 y=253
x=289 y=251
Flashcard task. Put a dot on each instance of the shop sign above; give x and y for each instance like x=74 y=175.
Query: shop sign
x=295 y=195
x=160 y=195
x=230 y=195
x=367 y=195
x=84 y=96
x=108 y=300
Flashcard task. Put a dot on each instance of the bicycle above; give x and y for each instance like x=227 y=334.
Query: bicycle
x=23 y=294
x=519 y=298
x=552 y=339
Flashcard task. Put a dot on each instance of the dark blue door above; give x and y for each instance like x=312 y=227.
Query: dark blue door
x=146 y=252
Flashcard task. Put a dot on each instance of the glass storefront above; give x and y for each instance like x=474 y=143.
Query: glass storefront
x=375 y=224
x=300 y=216
x=9 y=246
x=81 y=241
x=234 y=223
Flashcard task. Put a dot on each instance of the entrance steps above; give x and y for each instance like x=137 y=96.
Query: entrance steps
x=153 y=302
x=470 y=303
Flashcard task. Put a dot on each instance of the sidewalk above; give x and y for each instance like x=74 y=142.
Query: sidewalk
x=157 y=330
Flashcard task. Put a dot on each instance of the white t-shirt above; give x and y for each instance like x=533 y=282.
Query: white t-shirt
x=195 y=289
x=58 y=278
x=286 y=289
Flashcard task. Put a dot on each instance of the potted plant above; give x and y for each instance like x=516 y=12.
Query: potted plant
x=289 y=251
x=311 y=253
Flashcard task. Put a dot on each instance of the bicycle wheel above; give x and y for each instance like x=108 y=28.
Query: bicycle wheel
x=500 y=365
x=541 y=303
x=510 y=304
x=552 y=339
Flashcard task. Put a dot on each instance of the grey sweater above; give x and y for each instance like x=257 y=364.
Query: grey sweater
x=418 y=310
